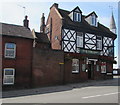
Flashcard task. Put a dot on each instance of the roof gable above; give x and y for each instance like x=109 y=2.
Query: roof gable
x=92 y=13
x=77 y=9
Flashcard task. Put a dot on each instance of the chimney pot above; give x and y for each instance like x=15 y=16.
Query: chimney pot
x=26 y=22
x=42 y=26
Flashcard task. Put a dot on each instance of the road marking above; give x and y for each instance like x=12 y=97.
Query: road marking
x=100 y=95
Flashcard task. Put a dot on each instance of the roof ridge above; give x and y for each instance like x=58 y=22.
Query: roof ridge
x=63 y=10
x=11 y=24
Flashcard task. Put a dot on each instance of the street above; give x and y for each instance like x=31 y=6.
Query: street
x=93 y=92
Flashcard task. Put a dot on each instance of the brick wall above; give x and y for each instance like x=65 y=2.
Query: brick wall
x=22 y=63
x=46 y=68
x=74 y=77
x=56 y=21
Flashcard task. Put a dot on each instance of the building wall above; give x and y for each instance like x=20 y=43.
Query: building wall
x=46 y=69
x=22 y=63
x=55 y=23
x=42 y=45
x=74 y=77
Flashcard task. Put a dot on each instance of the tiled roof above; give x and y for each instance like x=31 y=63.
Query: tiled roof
x=91 y=14
x=84 y=26
x=15 y=31
x=41 y=37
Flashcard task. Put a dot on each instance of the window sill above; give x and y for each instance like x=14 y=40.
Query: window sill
x=75 y=72
x=8 y=83
x=9 y=57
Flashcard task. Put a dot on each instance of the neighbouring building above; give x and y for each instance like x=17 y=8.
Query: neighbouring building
x=17 y=47
x=87 y=44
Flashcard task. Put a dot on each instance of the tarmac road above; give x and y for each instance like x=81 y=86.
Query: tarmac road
x=90 y=92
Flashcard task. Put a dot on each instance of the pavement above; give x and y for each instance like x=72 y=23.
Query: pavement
x=52 y=89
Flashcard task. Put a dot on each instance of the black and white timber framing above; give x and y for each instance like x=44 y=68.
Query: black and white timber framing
x=73 y=41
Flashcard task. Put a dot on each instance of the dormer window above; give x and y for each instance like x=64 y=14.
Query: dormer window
x=92 y=19
x=76 y=15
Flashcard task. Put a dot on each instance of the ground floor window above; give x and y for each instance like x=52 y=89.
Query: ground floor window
x=103 y=67
x=83 y=67
x=75 y=65
x=8 y=78
x=97 y=67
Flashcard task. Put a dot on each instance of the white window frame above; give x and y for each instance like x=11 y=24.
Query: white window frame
x=99 y=43
x=79 y=39
x=14 y=49
x=8 y=76
x=75 y=65
x=78 y=17
x=93 y=20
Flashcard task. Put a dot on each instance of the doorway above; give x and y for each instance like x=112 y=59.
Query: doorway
x=91 y=70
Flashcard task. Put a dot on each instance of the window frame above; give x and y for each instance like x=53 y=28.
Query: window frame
x=93 y=20
x=76 y=66
x=99 y=43
x=7 y=76
x=14 y=49
x=77 y=17
x=84 y=67
x=79 y=40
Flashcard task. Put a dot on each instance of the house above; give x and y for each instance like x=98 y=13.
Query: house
x=17 y=45
x=87 y=44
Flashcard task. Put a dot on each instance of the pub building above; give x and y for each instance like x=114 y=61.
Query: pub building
x=88 y=45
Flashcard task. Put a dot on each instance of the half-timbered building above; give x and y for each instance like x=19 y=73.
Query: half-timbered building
x=87 y=44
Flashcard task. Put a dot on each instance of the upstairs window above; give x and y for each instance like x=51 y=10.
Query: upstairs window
x=10 y=50
x=99 y=43
x=75 y=65
x=77 y=17
x=93 y=20
x=8 y=78
x=79 y=39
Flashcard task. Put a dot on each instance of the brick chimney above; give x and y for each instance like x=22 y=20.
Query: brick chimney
x=26 y=22
x=54 y=5
x=42 y=26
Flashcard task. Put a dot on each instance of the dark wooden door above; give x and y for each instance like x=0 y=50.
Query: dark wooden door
x=91 y=70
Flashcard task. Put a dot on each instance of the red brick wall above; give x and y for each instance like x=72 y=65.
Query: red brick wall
x=74 y=77
x=56 y=28
x=46 y=68
x=23 y=61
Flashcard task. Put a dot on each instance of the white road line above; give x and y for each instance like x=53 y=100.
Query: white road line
x=100 y=95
